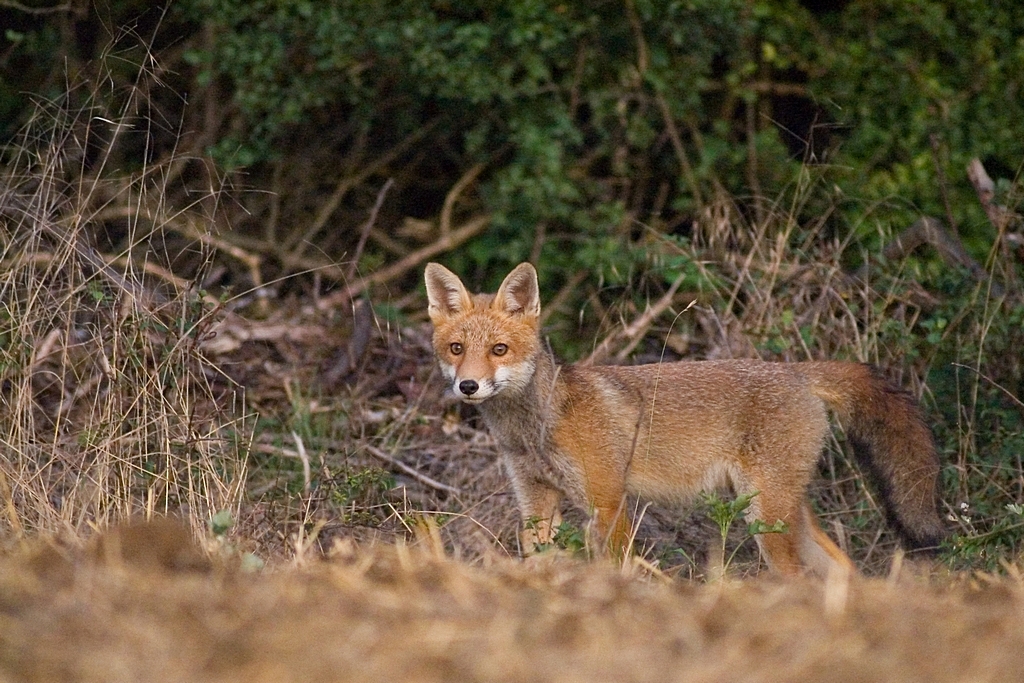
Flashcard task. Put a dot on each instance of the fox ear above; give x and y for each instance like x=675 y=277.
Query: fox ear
x=446 y=295
x=519 y=292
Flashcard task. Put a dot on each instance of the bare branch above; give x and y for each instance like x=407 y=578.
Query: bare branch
x=415 y=474
x=350 y=181
x=364 y=232
x=28 y=9
x=931 y=231
x=453 y=196
x=471 y=228
x=188 y=225
x=986 y=190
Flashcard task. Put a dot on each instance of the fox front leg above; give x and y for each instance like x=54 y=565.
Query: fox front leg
x=540 y=507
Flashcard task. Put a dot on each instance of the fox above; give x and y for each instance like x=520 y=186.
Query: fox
x=667 y=431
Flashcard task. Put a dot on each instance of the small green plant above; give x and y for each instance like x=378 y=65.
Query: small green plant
x=725 y=512
x=220 y=524
x=357 y=492
x=567 y=536
x=987 y=547
x=759 y=526
x=364 y=485
x=570 y=537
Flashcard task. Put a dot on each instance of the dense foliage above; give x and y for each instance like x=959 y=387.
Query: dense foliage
x=594 y=115
x=593 y=118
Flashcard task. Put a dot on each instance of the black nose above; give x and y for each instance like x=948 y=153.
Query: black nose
x=468 y=387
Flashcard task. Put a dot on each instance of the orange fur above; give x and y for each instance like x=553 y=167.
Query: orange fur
x=668 y=431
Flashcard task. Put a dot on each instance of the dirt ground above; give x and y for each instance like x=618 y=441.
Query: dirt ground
x=143 y=604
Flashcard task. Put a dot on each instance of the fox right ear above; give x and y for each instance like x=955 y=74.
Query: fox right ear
x=519 y=293
x=446 y=295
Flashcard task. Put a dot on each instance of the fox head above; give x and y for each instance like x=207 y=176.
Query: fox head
x=485 y=343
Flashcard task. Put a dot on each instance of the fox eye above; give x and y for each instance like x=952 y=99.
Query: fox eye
x=455 y=348
x=499 y=349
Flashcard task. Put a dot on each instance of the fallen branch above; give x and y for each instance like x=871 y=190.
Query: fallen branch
x=271 y=449
x=188 y=225
x=17 y=209
x=232 y=331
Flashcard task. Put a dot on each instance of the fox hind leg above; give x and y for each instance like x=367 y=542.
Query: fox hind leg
x=786 y=552
x=781 y=550
x=803 y=547
x=818 y=552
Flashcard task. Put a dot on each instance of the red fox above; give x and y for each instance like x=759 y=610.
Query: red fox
x=667 y=431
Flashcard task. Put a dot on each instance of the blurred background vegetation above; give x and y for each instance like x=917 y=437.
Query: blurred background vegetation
x=766 y=159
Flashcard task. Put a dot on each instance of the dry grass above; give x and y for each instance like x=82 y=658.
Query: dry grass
x=133 y=610
x=110 y=408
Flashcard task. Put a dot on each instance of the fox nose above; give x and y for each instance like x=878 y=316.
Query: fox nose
x=468 y=387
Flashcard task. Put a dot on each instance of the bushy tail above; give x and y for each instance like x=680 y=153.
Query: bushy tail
x=891 y=442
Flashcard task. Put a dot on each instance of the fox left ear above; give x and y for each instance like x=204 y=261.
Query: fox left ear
x=519 y=292
x=446 y=295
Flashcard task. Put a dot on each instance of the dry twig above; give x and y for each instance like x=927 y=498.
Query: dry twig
x=418 y=476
